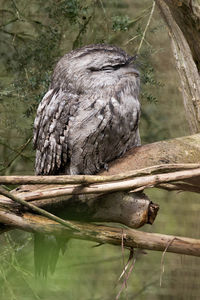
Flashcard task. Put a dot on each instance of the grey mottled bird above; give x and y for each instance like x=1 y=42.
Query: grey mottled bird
x=88 y=117
x=90 y=114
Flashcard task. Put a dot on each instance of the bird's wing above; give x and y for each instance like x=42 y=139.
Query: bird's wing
x=51 y=130
x=102 y=130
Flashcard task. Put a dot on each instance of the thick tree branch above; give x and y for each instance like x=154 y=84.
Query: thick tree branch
x=104 y=234
x=173 y=153
x=100 y=208
x=36 y=209
x=133 y=210
x=181 y=150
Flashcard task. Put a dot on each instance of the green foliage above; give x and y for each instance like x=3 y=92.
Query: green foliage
x=70 y=9
x=34 y=37
x=120 y=23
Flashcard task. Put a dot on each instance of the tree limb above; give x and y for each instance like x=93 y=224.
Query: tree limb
x=86 y=179
x=180 y=150
x=134 y=212
x=134 y=184
x=105 y=234
x=36 y=209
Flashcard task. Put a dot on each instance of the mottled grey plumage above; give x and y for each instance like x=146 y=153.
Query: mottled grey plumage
x=88 y=117
x=90 y=114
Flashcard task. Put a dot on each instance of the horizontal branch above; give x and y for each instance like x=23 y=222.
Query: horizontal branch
x=85 y=179
x=156 y=158
x=120 y=207
x=105 y=234
x=182 y=150
x=184 y=174
x=108 y=187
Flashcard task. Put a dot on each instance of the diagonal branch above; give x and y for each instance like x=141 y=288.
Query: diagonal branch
x=38 y=210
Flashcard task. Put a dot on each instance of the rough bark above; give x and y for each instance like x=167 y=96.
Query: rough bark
x=164 y=154
x=186 y=14
x=174 y=151
x=133 y=210
x=183 y=19
x=104 y=234
x=136 y=183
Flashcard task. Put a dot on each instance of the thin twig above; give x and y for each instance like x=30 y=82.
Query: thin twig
x=162 y=260
x=86 y=179
x=146 y=28
x=110 y=187
x=23 y=147
x=9 y=22
x=124 y=266
x=133 y=38
x=124 y=284
x=14 y=150
x=81 y=31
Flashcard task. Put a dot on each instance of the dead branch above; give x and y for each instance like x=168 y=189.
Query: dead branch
x=155 y=158
x=181 y=157
x=110 y=187
x=92 y=208
x=86 y=179
x=105 y=234
x=133 y=210
x=36 y=209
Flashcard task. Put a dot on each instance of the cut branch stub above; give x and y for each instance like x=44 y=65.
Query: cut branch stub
x=131 y=209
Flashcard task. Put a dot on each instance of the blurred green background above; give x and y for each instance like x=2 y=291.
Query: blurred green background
x=33 y=35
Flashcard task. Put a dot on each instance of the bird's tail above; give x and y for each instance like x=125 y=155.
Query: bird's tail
x=46 y=252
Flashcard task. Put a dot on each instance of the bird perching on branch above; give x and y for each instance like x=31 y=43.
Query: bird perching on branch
x=90 y=114
x=88 y=117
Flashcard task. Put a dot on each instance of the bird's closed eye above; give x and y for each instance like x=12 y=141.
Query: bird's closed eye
x=107 y=68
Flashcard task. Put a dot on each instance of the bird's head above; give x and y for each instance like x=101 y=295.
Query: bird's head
x=95 y=67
